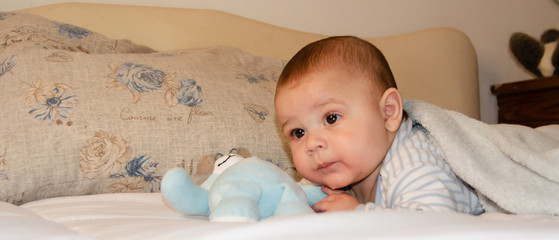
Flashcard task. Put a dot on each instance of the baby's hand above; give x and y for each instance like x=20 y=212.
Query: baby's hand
x=337 y=200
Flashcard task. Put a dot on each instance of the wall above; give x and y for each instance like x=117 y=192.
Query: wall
x=488 y=23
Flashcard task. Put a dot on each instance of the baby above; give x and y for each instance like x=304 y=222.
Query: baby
x=343 y=117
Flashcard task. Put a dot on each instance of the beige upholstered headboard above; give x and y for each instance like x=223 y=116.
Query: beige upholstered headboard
x=435 y=65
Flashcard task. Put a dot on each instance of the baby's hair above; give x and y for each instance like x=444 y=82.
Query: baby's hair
x=346 y=51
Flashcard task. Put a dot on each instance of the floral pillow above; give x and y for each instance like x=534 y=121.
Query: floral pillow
x=27 y=30
x=76 y=124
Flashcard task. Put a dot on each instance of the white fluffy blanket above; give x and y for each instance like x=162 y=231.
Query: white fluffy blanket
x=513 y=168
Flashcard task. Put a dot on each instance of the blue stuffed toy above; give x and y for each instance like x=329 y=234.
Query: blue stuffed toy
x=239 y=189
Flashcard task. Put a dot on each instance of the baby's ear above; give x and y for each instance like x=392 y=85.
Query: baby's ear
x=392 y=109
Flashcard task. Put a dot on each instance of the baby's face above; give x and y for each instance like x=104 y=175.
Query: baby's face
x=334 y=125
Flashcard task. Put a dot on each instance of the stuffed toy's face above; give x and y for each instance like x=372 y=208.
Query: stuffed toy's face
x=225 y=162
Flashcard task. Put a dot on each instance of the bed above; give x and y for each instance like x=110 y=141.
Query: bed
x=99 y=101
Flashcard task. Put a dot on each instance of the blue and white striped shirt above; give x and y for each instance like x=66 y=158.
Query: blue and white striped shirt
x=415 y=176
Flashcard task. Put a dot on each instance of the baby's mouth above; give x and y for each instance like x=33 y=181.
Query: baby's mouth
x=325 y=165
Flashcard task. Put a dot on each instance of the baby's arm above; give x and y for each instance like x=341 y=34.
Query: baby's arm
x=425 y=188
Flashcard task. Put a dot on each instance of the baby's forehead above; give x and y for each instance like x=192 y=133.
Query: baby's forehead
x=322 y=84
x=349 y=75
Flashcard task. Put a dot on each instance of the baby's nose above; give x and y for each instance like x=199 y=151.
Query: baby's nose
x=315 y=142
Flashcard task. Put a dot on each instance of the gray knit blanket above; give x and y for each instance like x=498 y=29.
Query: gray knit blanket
x=513 y=168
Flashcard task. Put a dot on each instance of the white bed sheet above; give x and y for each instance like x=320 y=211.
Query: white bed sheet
x=144 y=216
x=20 y=223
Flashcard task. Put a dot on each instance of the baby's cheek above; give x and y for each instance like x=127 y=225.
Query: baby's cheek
x=299 y=165
x=305 y=170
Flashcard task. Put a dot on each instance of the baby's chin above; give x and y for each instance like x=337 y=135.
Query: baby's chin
x=333 y=182
x=337 y=186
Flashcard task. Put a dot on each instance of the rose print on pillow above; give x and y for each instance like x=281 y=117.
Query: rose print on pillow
x=7 y=65
x=4 y=15
x=137 y=78
x=3 y=165
x=185 y=92
x=140 y=78
x=255 y=77
x=257 y=112
x=104 y=155
x=72 y=31
x=139 y=176
x=189 y=94
x=50 y=102
x=107 y=156
x=128 y=184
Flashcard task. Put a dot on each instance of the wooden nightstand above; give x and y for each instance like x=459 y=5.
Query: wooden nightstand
x=532 y=102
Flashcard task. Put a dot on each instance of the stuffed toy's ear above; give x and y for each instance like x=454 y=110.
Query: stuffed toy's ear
x=550 y=36
x=205 y=165
x=555 y=61
x=241 y=151
x=528 y=51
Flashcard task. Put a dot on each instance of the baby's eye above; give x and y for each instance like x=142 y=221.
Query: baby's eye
x=298 y=133
x=332 y=118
